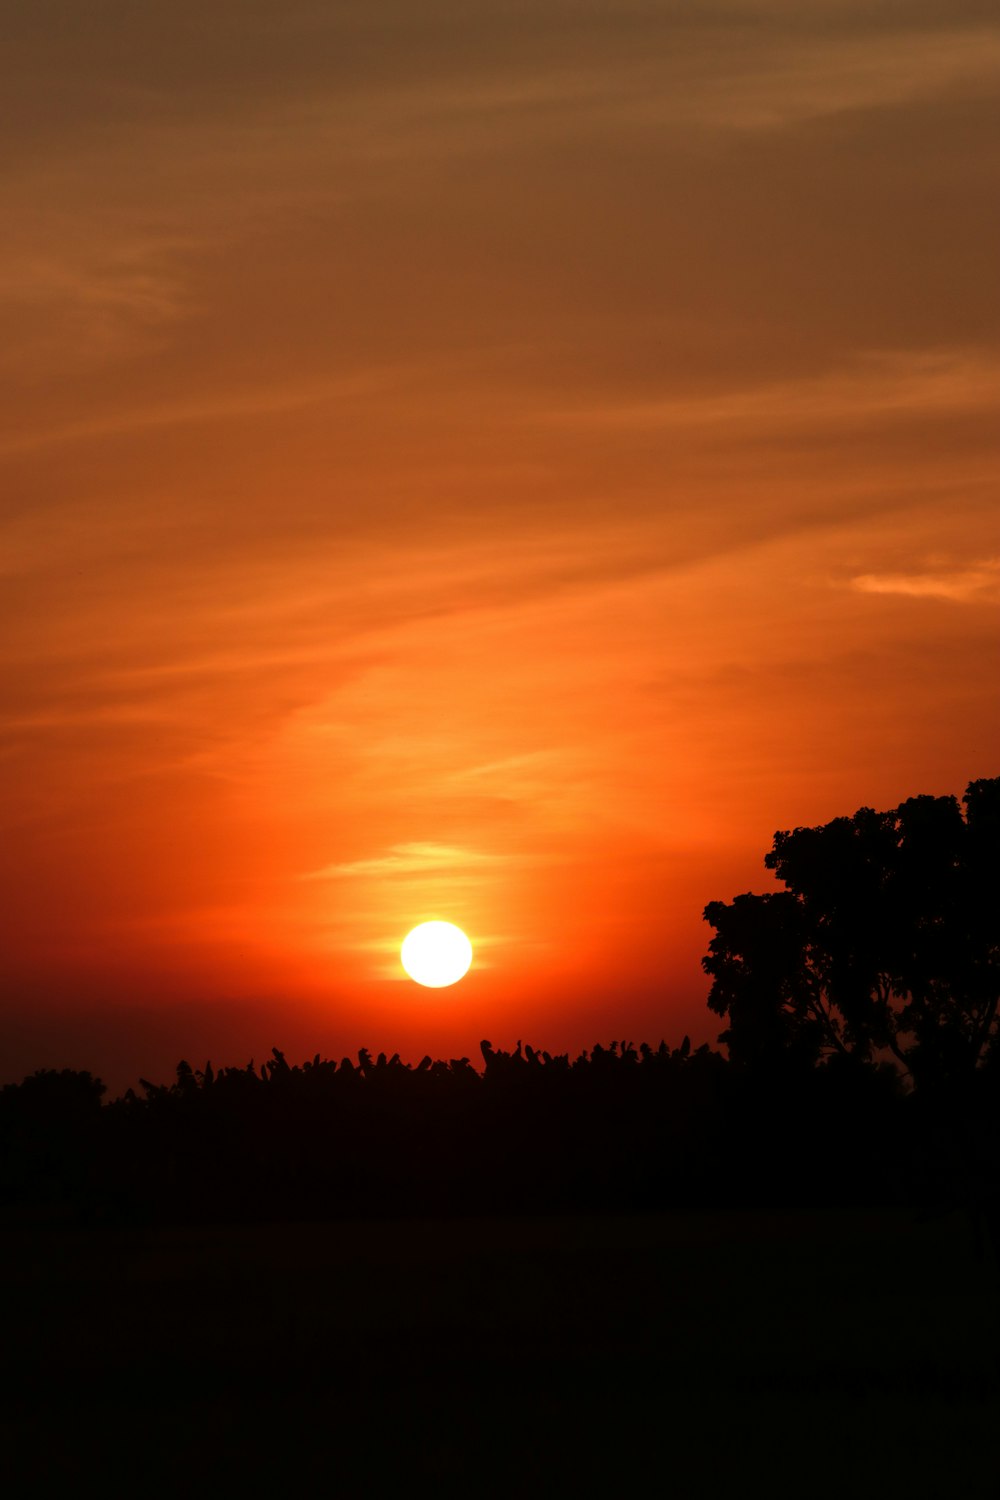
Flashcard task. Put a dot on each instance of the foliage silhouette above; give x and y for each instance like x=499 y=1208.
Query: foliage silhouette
x=617 y=1128
x=885 y=943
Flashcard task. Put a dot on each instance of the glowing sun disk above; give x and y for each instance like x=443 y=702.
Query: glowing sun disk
x=436 y=954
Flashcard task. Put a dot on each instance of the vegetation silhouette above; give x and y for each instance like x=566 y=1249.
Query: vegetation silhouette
x=863 y=1068
x=880 y=960
x=886 y=940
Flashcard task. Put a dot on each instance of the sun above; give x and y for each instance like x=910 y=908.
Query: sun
x=436 y=954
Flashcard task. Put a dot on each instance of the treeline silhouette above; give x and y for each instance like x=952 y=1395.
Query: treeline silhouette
x=617 y=1128
x=862 y=1067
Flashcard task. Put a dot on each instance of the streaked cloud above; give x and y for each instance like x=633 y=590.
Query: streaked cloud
x=415 y=859
x=979 y=584
x=875 y=386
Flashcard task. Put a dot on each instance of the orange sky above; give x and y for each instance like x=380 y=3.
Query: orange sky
x=497 y=462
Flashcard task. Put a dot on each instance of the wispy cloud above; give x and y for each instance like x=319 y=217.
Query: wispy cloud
x=979 y=584
x=877 y=384
x=413 y=859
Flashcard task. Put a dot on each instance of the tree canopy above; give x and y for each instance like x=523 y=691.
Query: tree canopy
x=886 y=940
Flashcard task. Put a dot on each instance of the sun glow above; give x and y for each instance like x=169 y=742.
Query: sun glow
x=436 y=954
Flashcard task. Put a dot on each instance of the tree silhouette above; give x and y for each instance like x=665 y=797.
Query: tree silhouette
x=885 y=940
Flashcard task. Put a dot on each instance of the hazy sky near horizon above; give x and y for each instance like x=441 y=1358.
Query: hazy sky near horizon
x=494 y=461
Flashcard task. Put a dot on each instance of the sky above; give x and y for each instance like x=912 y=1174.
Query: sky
x=492 y=462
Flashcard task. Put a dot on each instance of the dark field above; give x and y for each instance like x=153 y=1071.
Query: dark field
x=699 y=1355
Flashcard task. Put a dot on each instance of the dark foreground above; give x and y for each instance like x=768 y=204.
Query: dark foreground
x=806 y=1355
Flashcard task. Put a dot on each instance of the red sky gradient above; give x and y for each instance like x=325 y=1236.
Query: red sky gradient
x=492 y=462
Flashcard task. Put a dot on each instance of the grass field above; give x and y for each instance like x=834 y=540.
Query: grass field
x=699 y=1355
